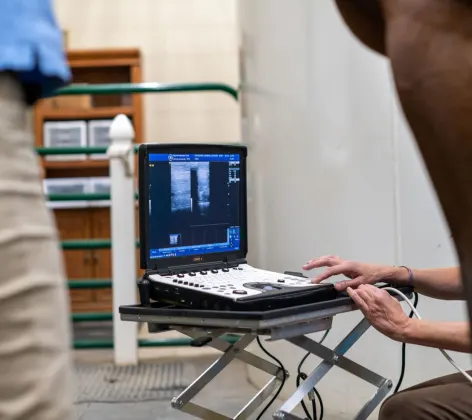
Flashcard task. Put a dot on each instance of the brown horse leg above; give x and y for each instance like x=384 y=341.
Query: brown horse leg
x=429 y=43
x=365 y=19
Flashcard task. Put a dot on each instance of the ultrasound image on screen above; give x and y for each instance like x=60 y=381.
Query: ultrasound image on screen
x=193 y=206
x=190 y=187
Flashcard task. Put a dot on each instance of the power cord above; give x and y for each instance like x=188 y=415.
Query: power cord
x=448 y=358
x=284 y=378
x=402 y=372
x=302 y=376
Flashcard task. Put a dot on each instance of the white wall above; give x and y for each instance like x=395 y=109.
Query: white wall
x=180 y=41
x=334 y=169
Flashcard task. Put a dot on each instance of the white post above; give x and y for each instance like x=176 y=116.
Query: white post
x=123 y=237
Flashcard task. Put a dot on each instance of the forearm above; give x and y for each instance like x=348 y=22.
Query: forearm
x=439 y=283
x=454 y=336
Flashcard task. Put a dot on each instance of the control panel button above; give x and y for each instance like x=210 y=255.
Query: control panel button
x=225 y=270
x=239 y=292
x=180 y=275
x=214 y=271
x=281 y=281
x=192 y=274
x=203 y=272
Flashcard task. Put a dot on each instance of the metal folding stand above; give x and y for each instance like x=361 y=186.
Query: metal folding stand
x=292 y=328
x=335 y=358
x=230 y=352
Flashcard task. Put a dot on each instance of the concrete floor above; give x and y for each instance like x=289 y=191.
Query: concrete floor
x=227 y=394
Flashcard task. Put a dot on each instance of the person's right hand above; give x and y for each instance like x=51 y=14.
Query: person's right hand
x=358 y=273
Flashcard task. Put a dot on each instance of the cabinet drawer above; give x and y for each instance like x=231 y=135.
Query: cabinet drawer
x=81 y=296
x=98 y=135
x=65 y=134
x=104 y=296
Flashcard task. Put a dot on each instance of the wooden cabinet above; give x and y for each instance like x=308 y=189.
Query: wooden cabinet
x=90 y=67
x=76 y=224
x=95 y=264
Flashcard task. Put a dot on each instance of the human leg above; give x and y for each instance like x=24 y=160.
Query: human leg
x=446 y=398
x=35 y=369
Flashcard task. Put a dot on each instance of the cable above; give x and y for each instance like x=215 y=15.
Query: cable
x=448 y=358
x=284 y=377
x=303 y=376
x=321 y=404
x=402 y=372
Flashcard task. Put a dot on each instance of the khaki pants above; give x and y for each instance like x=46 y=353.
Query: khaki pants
x=35 y=366
x=445 y=398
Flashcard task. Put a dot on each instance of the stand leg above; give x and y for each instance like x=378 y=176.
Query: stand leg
x=258 y=399
x=378 y=397
x=330 y=359
x=205 y=378
x=231 y=352
x=243 y=355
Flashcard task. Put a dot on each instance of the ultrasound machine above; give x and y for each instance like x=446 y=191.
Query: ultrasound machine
x=194 y=237
x=194 y=242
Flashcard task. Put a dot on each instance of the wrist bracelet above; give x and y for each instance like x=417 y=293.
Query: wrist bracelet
x=411 y=276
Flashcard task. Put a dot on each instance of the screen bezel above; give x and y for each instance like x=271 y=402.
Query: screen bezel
x=144 y=151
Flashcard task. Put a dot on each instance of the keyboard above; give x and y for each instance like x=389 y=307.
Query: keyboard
x=235 y=288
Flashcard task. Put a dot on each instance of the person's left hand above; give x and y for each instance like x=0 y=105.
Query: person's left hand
x=382 y=310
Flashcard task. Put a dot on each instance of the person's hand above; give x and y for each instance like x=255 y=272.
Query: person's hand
x=382 y=310
x=358 y=273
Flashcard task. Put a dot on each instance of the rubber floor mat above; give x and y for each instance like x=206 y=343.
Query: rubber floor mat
x=145 y=382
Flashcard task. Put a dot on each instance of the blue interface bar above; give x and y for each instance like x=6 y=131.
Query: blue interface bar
x=165 y=157
x=197 y=250
x=233 y=244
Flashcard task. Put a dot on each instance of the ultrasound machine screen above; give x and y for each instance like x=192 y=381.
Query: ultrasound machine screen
x=194 y=204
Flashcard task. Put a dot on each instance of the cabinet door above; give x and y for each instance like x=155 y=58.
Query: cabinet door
x=75 y=224
x=102 y=257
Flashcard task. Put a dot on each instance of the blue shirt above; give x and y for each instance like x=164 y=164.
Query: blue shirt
x=31 y=44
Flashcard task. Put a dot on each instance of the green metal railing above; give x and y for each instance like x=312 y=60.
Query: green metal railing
x=163 y=342
x=110 y=89
x=52 y=151
x=90 y=284
x=126 y=88
x=81 y=197
x=92 y=317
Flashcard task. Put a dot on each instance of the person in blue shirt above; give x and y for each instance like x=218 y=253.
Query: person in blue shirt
x=35 y=362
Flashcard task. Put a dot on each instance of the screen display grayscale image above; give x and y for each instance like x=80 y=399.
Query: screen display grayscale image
x=193 y=204
x=190 y=187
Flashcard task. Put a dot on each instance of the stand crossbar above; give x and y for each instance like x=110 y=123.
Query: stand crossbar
x=231 y=352
x=335 y=358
